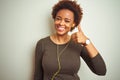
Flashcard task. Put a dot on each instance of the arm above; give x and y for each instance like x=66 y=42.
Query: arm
x=89 y=53
x=38 y=74
x=96 y=63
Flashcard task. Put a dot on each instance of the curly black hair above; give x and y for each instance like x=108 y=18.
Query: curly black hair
x=70 y=5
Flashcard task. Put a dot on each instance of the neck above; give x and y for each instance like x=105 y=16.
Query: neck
x=60 y=39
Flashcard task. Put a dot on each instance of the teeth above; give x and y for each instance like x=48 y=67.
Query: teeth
x=61 y=28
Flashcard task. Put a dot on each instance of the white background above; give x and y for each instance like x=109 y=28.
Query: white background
x=24 y=22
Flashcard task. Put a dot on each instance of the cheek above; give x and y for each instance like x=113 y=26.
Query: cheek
x=56 y=22
x=69 y=26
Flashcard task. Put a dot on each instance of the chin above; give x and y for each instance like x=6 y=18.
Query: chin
x=61 y=33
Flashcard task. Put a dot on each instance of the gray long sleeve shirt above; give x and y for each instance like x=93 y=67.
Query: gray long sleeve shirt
x=46 y=61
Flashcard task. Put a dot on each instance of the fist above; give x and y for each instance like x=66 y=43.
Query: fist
x=79 y=36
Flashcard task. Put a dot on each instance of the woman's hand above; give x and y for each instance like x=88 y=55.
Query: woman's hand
x=79 y=36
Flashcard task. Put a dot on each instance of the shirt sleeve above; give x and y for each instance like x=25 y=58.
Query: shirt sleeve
x=96 y=64
x=38 y=73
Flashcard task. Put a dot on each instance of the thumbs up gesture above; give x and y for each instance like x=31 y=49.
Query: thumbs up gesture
x=79 y=36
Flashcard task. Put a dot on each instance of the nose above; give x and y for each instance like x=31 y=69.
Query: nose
x=62 y=22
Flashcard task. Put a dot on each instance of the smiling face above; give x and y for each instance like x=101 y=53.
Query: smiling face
x=64 y=21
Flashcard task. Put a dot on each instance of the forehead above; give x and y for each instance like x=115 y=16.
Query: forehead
x=65 y=13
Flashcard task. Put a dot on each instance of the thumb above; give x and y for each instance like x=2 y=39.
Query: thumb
x=79 y=28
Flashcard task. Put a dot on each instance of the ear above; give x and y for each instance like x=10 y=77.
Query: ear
x=73 y=25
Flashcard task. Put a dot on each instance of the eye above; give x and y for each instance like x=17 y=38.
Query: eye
x=57 y=18
x=67 y=21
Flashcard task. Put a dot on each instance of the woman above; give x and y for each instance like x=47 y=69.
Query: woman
x=58 y=55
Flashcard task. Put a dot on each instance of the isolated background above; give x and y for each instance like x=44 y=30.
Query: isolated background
x=24 y=22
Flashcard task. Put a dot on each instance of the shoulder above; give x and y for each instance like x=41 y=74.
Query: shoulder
x=41 y=43
x=76 y=46
x=43 y=40
x=79 y=45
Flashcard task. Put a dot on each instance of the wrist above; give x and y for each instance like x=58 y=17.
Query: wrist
x=87 y=42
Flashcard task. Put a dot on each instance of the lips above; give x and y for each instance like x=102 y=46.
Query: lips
x=60 y=28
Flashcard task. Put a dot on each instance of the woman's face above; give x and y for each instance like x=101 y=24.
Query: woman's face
x=64 y=21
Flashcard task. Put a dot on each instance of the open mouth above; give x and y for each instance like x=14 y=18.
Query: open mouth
x=60 y=28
